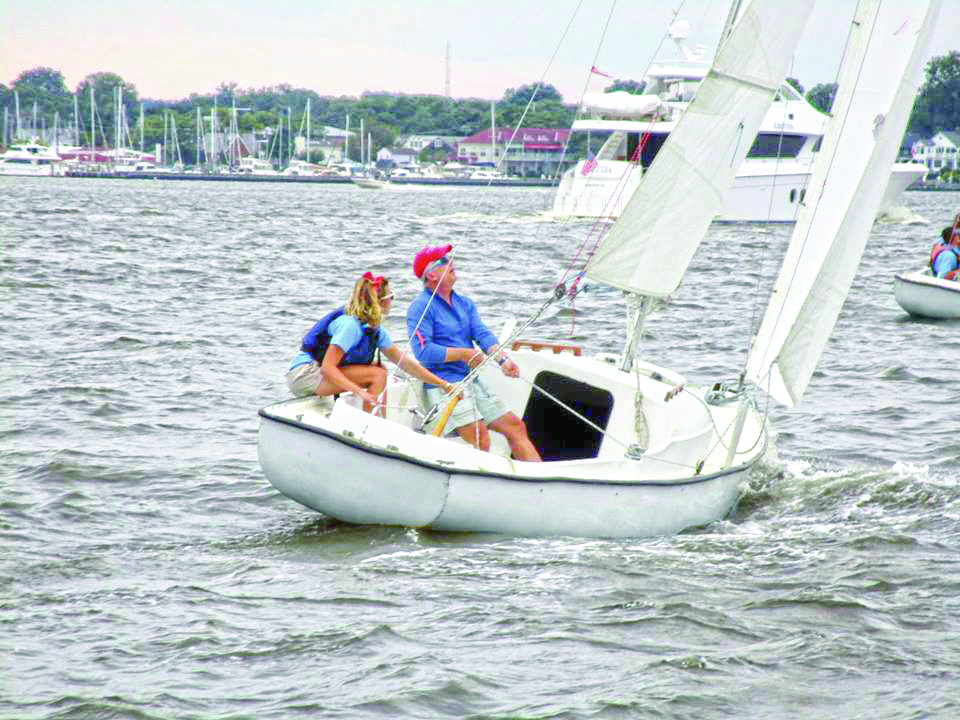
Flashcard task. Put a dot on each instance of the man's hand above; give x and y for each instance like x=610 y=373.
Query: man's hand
x=475 y=359
x=510 y=369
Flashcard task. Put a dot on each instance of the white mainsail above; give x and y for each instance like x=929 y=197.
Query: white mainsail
x=650 y=246
x=878 y=81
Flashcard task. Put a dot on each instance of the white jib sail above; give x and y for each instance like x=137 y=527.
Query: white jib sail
x=878 y=81
x=650 y=246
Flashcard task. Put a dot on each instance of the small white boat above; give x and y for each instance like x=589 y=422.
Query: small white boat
x=923 y=295
x=370 y=183
x=631 y=449
x=370 y=470
x=250 y=165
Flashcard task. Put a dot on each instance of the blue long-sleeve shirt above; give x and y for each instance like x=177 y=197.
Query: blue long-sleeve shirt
x=445 y=325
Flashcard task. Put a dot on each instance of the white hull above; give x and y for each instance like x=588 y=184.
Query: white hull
x=370 y=183
x=30 y=170
x=761 y=192
x=367 y=470
x=921 y=294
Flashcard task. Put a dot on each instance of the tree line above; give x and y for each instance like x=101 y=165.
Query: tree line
x=387 y=116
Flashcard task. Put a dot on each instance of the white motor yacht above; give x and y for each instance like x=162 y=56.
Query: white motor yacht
x=30 y=159
x=770 y=183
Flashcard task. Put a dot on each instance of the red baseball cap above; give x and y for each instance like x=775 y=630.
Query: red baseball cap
x=427 y=255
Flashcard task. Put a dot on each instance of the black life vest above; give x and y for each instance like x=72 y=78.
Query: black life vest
x=317 y=340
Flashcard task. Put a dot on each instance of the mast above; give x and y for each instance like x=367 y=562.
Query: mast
x=212 y=158
x=346 y=141
x=16 y=113
x=93 y=126
x=361 y=146
x=197 y=146
x=76 y=122
x=141 y=128
x=116 y=135
x=493 y=134
x=308 y=129
x=3 y=139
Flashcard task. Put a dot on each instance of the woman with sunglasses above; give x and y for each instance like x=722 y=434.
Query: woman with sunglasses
x=337 y=354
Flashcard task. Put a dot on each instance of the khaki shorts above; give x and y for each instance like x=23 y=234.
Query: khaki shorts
x=477 y=403
x=304 y=380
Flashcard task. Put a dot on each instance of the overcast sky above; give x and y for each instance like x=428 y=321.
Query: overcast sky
x=173 y=48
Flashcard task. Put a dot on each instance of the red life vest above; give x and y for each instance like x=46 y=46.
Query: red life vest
x=935 y=251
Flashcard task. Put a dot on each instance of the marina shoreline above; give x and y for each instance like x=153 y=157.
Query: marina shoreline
x=322 y=179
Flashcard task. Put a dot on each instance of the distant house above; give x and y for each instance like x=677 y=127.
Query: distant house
x=939 y=153
x=389 y=158
x=531 y=152
x=420 y=142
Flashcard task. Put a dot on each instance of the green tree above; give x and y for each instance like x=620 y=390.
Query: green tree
x=821 y=96
x=938 y=104
x=633 y=87
x=796 y=84
x=105 y=86
x=45 y=89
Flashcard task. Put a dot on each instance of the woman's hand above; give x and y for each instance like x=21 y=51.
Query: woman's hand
x=368 y=397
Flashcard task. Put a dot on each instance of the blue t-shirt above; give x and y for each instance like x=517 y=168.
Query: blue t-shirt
x=445 y=325
x=346 y=332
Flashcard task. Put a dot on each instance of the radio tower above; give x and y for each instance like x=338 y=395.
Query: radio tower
x=446 y=83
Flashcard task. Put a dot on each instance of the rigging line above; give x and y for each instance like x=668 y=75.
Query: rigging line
x=761 y=254
x=596 y=427
x=539 y=85
x=446 y=269
x=646 y=72
x=838 y=132
x=586 y=83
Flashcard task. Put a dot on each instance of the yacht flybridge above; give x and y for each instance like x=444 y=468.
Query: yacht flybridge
x=770 y=182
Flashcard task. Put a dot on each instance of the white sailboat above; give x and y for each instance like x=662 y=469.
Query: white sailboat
x=922 y=294
x=632 y=449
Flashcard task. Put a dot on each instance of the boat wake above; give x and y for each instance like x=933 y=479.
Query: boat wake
x=900 y=215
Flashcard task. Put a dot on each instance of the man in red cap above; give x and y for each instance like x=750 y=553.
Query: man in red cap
x=445 y=331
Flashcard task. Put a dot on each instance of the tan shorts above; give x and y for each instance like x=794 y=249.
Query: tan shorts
x=304 y=380
x=477 y=403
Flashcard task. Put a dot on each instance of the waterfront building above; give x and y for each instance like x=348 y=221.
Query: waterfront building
x=939 y=153
x=530 y=152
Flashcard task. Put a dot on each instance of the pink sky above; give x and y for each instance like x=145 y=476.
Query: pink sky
x=339 y=47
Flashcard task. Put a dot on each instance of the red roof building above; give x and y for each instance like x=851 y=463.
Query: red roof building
x=530 y=152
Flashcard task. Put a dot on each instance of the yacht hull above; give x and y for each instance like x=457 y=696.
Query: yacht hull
x=757 y=194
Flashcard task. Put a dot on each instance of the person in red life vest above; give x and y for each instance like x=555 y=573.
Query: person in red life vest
x=337 y=353
x=445 y=332
x=945 y=255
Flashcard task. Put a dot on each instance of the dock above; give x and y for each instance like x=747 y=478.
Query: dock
x=318 y=179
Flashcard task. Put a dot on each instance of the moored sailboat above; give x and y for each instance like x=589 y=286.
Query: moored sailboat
x=632 y=449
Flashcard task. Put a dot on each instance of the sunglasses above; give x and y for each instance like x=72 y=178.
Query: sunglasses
x=439 y=263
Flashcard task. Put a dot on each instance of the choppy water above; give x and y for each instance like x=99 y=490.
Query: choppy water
x=148 y=569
